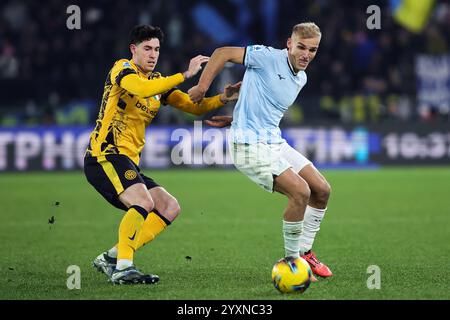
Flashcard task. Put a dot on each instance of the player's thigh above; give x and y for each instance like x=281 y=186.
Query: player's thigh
x=295 y=158
x=318 y=184
x=165 y=203
x=137 y=195
x=292 y=185
x=260 y=162
x=111 y=176
x=305 y=168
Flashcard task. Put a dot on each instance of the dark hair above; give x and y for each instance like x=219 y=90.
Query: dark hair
x=145 y=32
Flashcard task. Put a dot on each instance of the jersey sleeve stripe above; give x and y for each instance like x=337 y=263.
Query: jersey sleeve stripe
x=245 y=55
x=165 y=95
x=124 y=73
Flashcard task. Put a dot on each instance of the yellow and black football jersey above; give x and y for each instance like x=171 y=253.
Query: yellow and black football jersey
x=131 y=99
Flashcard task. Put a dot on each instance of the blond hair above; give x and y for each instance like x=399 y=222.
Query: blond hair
x=307 y=30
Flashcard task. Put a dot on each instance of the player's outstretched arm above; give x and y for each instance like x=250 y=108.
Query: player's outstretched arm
x=181 y=100
x=213 y=67
x=147 y=88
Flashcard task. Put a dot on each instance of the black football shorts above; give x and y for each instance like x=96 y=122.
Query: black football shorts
x=110 y=175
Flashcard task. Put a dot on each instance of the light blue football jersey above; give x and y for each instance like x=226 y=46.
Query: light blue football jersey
x=269 y=87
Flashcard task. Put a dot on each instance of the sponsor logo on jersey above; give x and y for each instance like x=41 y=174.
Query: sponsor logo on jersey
x=146 y=109
x=256 y=48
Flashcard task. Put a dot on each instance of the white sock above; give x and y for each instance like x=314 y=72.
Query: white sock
x=112 y=252
x=123 y=264
x=313 y=218
x=292 y=232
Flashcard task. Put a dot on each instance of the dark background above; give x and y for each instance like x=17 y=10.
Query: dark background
x=52 y=75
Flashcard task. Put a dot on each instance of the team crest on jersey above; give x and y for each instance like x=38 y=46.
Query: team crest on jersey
x=154 y=75
x=130 y=174
x=256 y=48
x=126 y=65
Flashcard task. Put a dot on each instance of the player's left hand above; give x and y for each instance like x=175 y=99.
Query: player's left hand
x=219 y=121
x=196 y=94
x=230 y=92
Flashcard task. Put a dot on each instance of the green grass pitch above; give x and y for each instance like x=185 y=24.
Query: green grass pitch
x=228 y=236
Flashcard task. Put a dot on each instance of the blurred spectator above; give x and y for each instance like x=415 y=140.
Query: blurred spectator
x=9 y=65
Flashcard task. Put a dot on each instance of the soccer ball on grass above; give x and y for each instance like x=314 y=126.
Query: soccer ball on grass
x=291 y=275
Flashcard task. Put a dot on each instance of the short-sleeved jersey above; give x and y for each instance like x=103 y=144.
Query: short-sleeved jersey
x=269 y=87
x=123 y=117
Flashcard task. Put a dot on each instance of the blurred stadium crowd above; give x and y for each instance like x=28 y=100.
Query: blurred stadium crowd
x=52 y=75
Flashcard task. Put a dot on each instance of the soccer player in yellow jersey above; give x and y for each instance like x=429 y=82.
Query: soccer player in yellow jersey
x=132 y=97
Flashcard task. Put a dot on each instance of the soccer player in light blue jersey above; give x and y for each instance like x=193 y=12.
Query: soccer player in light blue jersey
x=272 y=82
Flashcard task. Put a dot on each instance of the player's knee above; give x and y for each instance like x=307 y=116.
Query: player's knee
x=322 y=193
x=301 y=194
x=326 y=190
x=147 y=204
x=305 y=193
x=175 y=209
x=171 y=210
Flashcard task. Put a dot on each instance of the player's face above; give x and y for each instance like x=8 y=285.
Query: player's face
x=302 y=51
x=146 y=54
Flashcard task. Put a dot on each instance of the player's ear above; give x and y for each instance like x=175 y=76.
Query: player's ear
x=133 y=48
x=289 y=43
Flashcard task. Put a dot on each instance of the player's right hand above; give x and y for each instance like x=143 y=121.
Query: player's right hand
x=196 y=94
x=219 y=121
x=195 y=65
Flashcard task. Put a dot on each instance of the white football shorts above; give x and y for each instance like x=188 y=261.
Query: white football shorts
x=262 y=162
